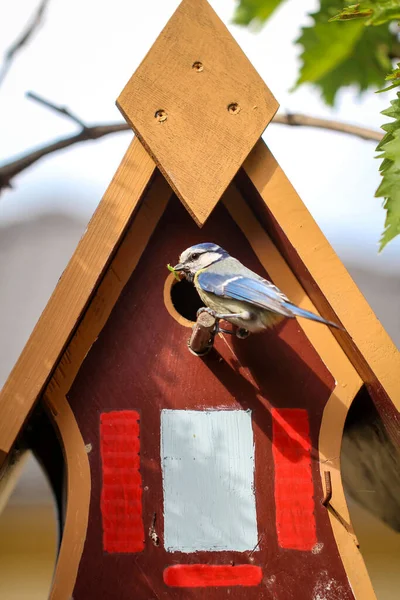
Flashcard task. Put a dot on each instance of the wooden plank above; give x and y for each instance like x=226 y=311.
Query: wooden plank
x=214 y=106
x=73 y=292
x=367 y=344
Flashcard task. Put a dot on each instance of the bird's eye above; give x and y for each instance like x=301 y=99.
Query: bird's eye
x=195 y=256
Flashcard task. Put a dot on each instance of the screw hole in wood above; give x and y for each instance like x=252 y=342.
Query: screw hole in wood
x=198 y=66
x=234 y=108
x=161 y=115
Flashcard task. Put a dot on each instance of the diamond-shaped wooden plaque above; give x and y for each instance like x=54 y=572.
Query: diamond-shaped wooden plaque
x=197 y=105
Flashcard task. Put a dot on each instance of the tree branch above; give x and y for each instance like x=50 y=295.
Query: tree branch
x=13 y=168
x=298 y=120
x=61 y=110
x=23 y=39
x=9 y=170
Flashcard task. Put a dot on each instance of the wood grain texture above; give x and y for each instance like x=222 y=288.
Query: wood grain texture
x=73 y=292
x=121 y=372
x=198 y=142
x=327 y=282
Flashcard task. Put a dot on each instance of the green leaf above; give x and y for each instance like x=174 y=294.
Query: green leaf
x=377 y=12
x=336 y=55
x=326 y=45
x=258 y=11
x=393 y=76
x=389 y=188
x=354 y=11
x=365 y=68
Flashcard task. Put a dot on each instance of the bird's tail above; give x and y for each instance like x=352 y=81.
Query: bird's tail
x=300 y=312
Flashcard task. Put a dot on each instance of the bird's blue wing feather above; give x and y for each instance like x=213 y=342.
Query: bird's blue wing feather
x=259 y=292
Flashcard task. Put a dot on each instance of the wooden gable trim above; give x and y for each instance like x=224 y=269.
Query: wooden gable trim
x=327 y=281
x=73 y=292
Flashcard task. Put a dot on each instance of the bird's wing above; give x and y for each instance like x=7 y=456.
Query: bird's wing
x=259 y=292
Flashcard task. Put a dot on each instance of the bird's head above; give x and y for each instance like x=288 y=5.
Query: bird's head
x=199 y=257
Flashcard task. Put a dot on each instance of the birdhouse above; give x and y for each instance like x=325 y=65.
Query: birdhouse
x=191 y=475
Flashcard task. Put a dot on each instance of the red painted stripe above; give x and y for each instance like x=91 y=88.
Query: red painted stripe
x=121 y=494
x=212 y=575
x=294 y=489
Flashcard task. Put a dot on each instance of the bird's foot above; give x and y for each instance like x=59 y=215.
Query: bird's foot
x=242 y=333
x=222 y=330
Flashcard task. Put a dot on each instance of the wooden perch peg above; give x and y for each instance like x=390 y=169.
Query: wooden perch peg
x=202 y=338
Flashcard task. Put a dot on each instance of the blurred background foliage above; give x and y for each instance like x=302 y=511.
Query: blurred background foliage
x=351 y=45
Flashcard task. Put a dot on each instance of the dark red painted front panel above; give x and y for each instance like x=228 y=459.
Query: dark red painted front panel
x=140 y=362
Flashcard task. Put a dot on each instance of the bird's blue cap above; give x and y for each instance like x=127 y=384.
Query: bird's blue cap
x=206 y=247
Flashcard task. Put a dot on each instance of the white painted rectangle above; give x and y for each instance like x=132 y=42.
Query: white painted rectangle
x=207 y=459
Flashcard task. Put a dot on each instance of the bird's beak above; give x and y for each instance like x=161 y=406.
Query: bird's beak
x=179 y=267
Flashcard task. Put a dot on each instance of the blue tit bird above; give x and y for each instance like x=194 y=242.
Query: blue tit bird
x=234 y=293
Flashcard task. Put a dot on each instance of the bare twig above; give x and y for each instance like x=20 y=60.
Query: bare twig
x=13 y=168
x=298 y=120
x=16 y=166
x=23 y=39
x=62 y=110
